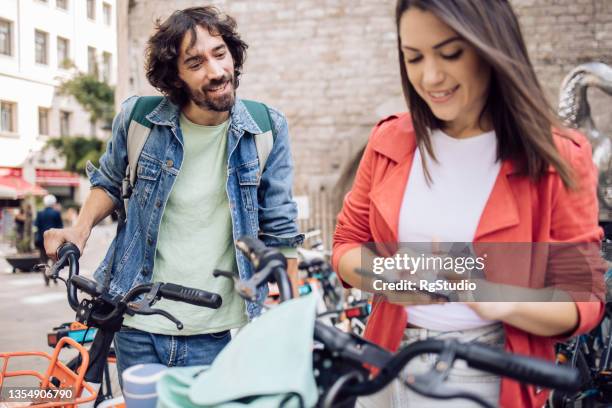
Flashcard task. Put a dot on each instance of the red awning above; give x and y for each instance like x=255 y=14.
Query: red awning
x=13 y=188
x=56 y=178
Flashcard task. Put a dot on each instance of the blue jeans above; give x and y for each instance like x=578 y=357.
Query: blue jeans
x=134 y=346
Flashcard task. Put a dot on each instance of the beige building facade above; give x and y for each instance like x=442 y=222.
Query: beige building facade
x=42 y=44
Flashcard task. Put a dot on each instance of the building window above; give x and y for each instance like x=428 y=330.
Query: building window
x=8 y=111
x=43 y=121
x=61 y=4
x=91 y=9
x=6 y=37
x=65 y=123
x=107 y=8
x=41 y=42
x=63 y=52
x=107 y=66
x=92 y=63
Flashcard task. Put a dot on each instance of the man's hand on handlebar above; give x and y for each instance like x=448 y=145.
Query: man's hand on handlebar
x=54 y=238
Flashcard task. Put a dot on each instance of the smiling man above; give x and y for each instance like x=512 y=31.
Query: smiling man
x=201 y=184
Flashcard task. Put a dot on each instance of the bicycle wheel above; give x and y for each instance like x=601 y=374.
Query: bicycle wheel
x=582 y=399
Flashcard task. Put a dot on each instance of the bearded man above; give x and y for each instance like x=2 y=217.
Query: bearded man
x=200 y=185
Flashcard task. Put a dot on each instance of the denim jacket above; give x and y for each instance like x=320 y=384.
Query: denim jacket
x=261 y=205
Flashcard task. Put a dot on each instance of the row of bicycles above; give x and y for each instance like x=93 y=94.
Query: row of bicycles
x=341 y=360
x=591 y=355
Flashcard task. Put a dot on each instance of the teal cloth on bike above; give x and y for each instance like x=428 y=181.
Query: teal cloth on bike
x=269 y=361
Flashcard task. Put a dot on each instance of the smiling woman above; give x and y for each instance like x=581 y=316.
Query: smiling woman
x=448 y=75
x=480 y=157
x=465 y=70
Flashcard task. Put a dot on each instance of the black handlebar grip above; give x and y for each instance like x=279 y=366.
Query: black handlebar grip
x=68 y=247
x=190 y=295
x=87 y=285
x=525 y=369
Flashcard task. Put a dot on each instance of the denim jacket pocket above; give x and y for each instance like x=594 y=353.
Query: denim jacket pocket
x=147 y=175
x=248 y=178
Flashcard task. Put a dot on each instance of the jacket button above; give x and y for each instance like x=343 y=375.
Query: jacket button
x=169 y=163
x=150 y=241
x=144 y=271
x=158 y=203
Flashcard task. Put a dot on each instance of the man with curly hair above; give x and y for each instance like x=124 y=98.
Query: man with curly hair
x=200 y=185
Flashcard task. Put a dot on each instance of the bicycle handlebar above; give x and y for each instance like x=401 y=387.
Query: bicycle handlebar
x=68 y=254
x=87 y=285
x=192 y=296
x=268 y=263
x=522 y=368
x=525 y=369
x=259 y=254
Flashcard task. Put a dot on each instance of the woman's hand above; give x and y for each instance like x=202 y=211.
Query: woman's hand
x=493 y=310
x=415 y=299
x=539 y=318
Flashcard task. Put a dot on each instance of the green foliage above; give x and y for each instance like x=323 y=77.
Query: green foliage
x=96 y=97
x=77 y=150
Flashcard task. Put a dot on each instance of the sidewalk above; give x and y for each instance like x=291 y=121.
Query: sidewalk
x=5 y=249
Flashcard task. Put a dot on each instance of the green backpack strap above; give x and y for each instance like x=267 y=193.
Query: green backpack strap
x=138 y=133
x=264 y=142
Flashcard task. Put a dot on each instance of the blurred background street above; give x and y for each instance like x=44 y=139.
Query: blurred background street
x=30 y=309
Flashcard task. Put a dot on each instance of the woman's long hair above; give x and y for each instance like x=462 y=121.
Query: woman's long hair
x=522 y=117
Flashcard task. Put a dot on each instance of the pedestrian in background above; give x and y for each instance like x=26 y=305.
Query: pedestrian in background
x=47 y=218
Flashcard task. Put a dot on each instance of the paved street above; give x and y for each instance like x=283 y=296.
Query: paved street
x=28 y=309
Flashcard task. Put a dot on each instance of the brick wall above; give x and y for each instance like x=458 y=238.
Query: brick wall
x=331 y=65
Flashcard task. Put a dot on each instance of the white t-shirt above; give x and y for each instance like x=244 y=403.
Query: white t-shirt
x=448 y=210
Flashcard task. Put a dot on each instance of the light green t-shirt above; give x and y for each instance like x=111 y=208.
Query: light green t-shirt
x=195 y=237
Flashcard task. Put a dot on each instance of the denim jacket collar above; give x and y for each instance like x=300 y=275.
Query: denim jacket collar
x=167 y=113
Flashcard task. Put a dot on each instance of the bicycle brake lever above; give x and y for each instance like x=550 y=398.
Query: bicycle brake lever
x=246 y=289
x=143 y=306
x=225 y=274
x=431 y=384
x=46 y=270
x=177 y=322
x=40 y=267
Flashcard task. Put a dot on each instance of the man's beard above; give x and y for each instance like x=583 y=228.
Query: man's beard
x=221 y=103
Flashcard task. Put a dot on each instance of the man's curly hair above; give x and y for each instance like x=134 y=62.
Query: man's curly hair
x=164 y=47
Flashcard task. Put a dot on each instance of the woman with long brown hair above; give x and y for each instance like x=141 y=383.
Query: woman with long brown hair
x=480 y=157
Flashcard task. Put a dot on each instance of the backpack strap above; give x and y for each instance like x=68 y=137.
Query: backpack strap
x=138 y=133
x=140 y=128
x=264 y=142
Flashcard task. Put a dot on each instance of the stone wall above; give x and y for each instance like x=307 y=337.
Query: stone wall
x=562 y=34
x=331 y=65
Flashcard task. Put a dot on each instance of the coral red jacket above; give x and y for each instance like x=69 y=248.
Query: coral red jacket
x=518 y=210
